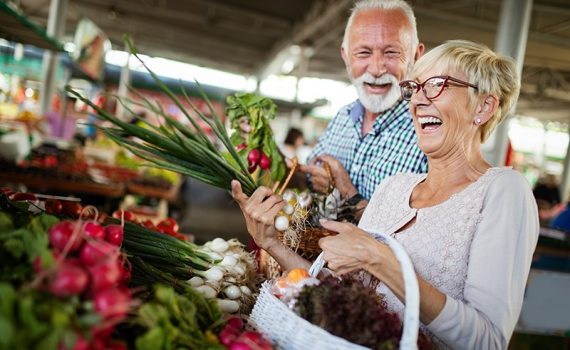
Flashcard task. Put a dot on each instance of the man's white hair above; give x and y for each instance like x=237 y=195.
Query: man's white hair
x=382 y=5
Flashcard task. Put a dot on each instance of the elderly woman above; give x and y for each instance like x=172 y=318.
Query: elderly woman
x=470 y=229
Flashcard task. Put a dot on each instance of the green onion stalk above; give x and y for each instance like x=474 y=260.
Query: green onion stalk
x=174 y=146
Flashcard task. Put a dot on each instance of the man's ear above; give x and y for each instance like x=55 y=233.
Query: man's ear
x=419 y=51
x=486 y=109
x=343 y=55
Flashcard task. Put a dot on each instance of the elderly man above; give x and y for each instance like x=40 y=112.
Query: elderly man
x=373 y=137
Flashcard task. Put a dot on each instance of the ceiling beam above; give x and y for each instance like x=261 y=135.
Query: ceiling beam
x=488 y=26
x=321 y=14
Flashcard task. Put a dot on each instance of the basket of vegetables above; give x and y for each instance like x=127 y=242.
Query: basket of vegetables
x=275 y=317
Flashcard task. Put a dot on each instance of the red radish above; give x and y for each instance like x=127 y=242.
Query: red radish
x=235 y=323
x=149 y=224
x=170 y=222
x=252 y=168
x=53 y=206
x=21 y=196
x=102 y=332
x=238 y=345
x=253 y=157
x=69 y=280
x=114 y=234
x=71 y=209
x=249 y=337
x=129 y=216
x=264 y=162
x=92 y=253
x=227 y=336
x=241 y=147
x=94 y=230
x=80 y=344
x=115 y=345
x=61 y=233
x=104 y=275
x=112 y=303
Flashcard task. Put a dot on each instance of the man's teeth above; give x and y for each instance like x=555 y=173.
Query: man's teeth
x=429 y=120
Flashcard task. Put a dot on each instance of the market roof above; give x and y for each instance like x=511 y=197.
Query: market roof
x=15 y=26
x=255 y=37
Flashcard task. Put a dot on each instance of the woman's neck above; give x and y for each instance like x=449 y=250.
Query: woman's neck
x=455 y=171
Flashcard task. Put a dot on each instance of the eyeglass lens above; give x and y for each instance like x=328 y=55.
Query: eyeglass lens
x=432 y=88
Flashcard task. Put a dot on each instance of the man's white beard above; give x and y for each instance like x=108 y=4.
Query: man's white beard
x=377 y=103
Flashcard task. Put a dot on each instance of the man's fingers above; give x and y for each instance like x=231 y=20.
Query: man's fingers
x=260 y=194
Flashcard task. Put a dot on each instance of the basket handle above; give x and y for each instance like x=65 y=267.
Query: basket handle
x=409 y=339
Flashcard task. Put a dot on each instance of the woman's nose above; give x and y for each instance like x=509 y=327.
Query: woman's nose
x=419 y=98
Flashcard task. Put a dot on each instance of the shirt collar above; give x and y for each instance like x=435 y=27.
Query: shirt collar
x=357 y=113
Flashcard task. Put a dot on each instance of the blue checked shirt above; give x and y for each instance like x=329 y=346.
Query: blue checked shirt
x=389 y=148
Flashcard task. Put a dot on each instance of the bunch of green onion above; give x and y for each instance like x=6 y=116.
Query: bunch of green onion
x=173 y=145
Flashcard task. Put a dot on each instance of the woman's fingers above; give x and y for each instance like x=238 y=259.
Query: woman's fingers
x=238 y=194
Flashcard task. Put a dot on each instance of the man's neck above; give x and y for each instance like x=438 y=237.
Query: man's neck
x=368 y=121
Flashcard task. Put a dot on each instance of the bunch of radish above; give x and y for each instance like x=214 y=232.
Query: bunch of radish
x=256 y=158
x=86 y=264
x=231 y=280
x=234 y=337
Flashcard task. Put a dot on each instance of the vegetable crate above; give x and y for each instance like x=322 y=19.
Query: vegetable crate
x=288 y=331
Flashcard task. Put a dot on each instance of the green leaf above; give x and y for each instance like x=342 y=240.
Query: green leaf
x=15 y=246
x=6 y=224
x=151 y=340
x=6 y=333
x=7 y=301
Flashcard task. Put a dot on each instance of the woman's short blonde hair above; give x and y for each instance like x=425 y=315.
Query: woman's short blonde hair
x=493 y=74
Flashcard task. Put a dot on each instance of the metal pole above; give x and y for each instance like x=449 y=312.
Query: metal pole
x=511 y=41
x=565 y=178
x=55 y=29
x=124 y=82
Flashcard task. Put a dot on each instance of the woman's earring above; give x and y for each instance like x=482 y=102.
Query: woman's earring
x=477 y=121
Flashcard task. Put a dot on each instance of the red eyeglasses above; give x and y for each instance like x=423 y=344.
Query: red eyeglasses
x=432 y=87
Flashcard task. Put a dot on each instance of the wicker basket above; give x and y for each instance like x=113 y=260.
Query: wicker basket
x=308 y=243
x=306 y=246
x=287 y=331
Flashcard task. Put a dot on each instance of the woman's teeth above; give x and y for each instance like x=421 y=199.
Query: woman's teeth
x=429 y=122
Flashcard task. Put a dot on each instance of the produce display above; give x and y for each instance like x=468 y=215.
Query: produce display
x=65 y=283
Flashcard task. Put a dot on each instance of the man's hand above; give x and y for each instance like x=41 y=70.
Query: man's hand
x=259 y=212
x=323 y=181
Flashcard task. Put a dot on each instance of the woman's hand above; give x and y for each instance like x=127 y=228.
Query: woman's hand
x=259 y=212
x=352 y=249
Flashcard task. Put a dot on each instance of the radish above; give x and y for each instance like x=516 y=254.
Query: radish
x=128 y=215
x=97 y=251
x=69 y=280
x=253 y=157
x=227 y=336
x=238 y=345
x=61 y=233
x=264 y=161
x=104 y=275
x=241 y=147
x=80 y=343
x=235 y=323
x=114 y=234
x=71 y=209
x=94 y=230
x=53 y=206
x=112 y=303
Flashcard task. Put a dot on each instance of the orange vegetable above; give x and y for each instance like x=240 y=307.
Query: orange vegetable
x=297 y=275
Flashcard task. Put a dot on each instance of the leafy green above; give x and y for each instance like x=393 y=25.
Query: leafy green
x=172 y=321
x=259 y=111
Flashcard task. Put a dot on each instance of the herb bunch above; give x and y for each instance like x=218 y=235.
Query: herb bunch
x=349 y=310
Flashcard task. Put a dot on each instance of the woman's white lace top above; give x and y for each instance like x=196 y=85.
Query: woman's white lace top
x=476 y=247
